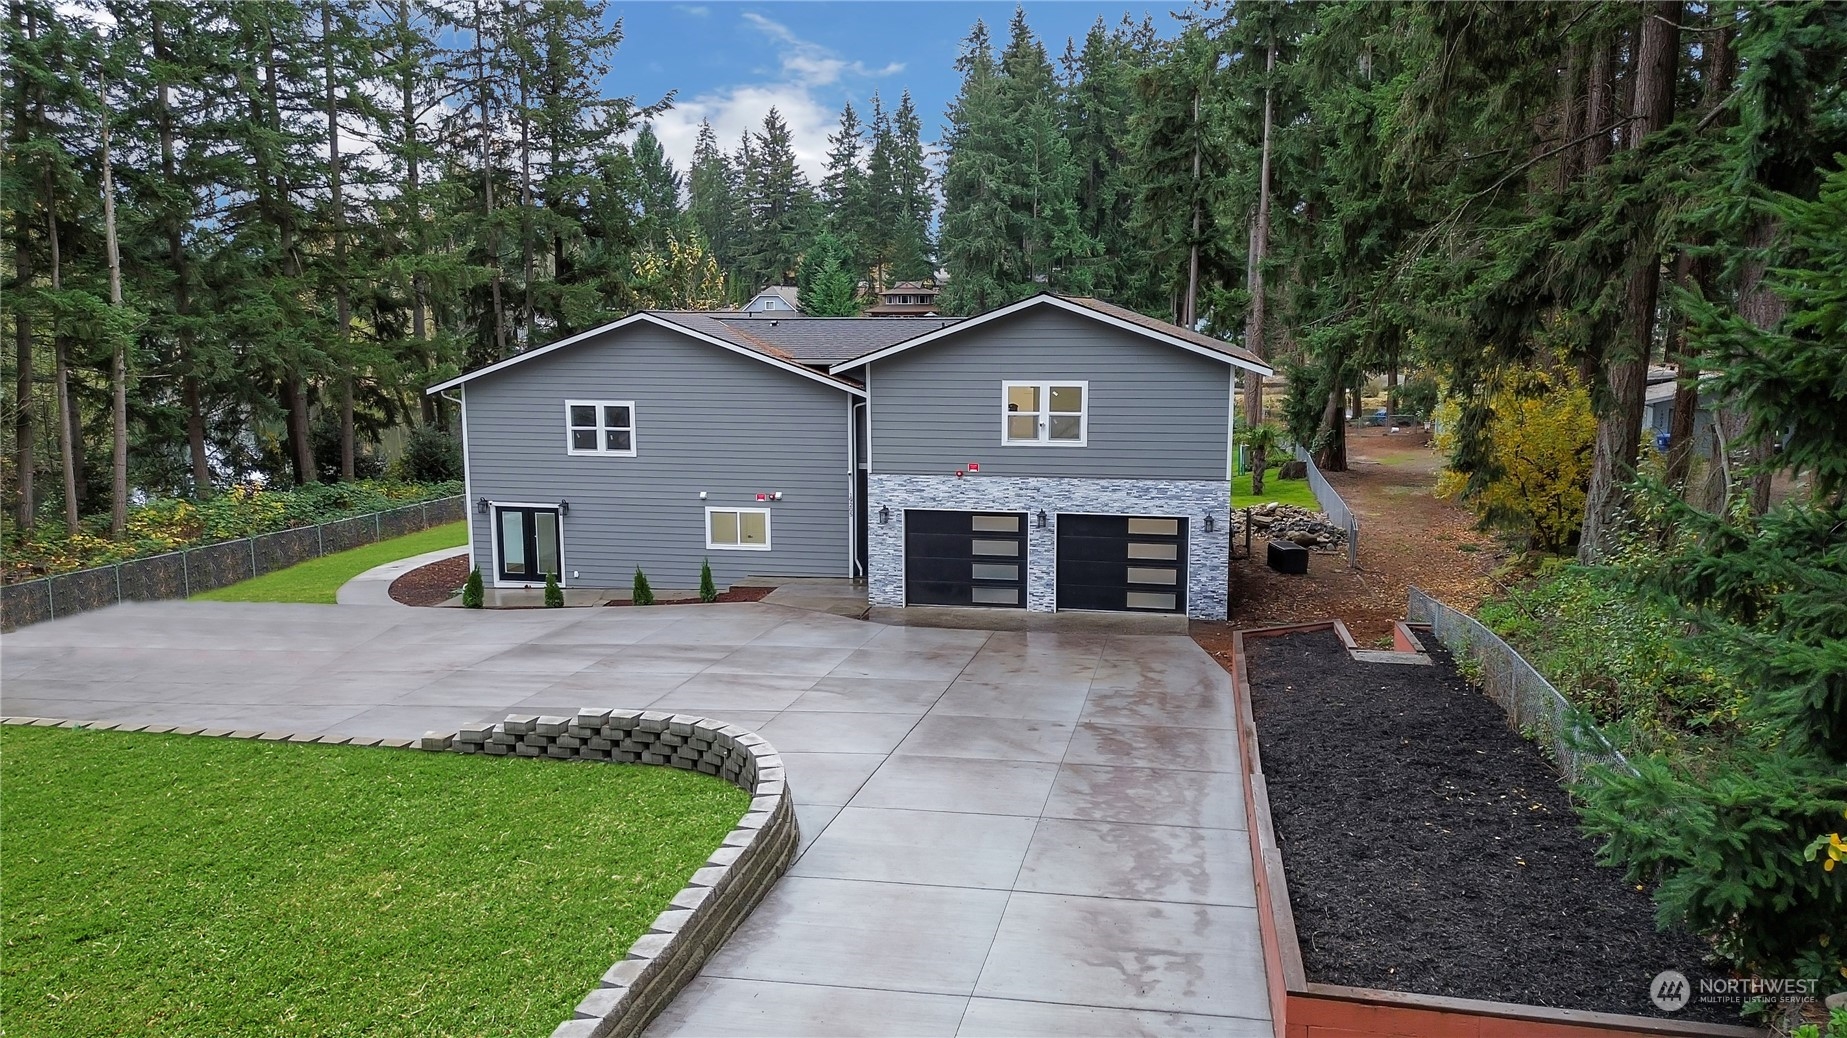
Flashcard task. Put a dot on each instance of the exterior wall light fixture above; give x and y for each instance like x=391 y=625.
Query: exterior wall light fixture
x=1041 y=518
x=884 y=515
x=564 y=508
x=481 y=506
x=1208 y=524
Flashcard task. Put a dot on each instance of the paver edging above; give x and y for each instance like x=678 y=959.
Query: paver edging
x=1298 y=1005
x=747 y=863
x=722 y=892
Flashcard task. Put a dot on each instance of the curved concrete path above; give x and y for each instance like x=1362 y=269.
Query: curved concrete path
x=373 y=587
x=1004 y=833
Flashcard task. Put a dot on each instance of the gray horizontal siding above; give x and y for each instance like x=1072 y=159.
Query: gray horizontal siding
x=1156 y=412
x=705 y=419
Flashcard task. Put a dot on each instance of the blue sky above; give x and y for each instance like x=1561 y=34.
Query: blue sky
x=729 y=62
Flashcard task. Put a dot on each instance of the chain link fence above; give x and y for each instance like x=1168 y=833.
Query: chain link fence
x=1532 y=705
x=182 y=574
x=1331 y=503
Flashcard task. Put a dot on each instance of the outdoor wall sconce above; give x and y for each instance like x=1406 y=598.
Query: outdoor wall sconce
x=564 y=508
x=884 y=515
x=481 y=506
x=1041 y=518
x=1208 y=524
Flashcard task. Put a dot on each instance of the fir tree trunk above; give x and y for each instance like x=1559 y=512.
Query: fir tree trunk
x=1260 y=250
x=487 y=187
x=118 y=367
x=337 y=198
x=1761 y=306
x=1625 y=364
x=177 y=259
x=25 y=423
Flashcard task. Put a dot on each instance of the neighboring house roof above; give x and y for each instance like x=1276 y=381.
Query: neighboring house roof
x=824 y=340
x=1109 y=313
x=704 y=327
x=788 y=295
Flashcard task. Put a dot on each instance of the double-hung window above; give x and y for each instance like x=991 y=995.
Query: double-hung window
x=1055 y=414
x=605 y=427
x=737 y=529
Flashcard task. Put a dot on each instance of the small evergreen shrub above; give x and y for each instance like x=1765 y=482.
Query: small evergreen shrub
x=554 y=595
x=641 y=594
x=472 y=596
x=432 y=454
x=708 y=591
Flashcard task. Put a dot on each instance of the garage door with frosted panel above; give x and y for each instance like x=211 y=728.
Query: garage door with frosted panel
x=965 y=558
x=1122 y=563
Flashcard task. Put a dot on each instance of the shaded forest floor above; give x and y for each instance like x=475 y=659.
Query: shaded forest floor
x=1407 y=537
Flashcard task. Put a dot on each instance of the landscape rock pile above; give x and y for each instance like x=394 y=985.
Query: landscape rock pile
x=1302 y=526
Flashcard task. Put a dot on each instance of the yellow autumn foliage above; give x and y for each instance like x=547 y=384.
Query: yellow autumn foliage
x=1541 y=433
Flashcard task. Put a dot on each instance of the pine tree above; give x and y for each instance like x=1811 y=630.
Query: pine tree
x=828 y=288
x=779 y=202
x=712 y=197
x=844 y=194
x=658 y=185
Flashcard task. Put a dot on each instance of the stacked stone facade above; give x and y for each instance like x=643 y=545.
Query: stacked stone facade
x=1208 y=553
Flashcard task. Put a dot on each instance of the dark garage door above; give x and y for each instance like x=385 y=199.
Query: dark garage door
x=1120 y=562
x=965 y=558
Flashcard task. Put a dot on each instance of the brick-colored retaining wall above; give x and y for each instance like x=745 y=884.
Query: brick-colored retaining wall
x=182 y=574
x=1303 y=1009
x=747 y=863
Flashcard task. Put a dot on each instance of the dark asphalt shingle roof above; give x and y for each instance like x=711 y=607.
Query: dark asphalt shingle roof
x=808 y=340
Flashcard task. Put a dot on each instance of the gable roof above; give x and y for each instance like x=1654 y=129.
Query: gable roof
x=703 y=327
x=1096 y=309
x=823 y=340
x=790 y=296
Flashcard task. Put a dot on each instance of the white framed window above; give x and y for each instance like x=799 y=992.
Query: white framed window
x=737 y=529
x=1046 y=414
x=605 y=427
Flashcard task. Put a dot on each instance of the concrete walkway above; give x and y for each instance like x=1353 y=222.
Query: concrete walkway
x=1004 y=833
x=373 y=587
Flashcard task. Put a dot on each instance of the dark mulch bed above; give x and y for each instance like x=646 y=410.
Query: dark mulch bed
x=736 y=594
x=1428 y=848
x=433 y=584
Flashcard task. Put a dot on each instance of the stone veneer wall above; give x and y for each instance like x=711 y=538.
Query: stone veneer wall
x=720 y=894
x=1208 y=554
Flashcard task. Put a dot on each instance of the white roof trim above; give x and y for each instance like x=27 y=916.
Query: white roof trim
x=645 y=316
x=1063 y=304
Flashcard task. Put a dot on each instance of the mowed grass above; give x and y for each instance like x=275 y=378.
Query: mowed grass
x=1285 y=491
x=174 y=885
x=317 y=580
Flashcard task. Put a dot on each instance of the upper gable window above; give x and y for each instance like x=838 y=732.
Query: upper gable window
x=604 y=427
x=1053 y=414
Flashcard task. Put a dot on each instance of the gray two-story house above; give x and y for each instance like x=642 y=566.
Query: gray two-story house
x=1054 y=454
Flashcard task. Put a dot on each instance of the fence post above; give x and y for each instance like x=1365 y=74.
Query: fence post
x=185 y=573
x=378 y=531
x=253 y=557
x=51 y=600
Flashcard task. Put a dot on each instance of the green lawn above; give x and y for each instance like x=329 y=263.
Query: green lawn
x=318 y=579
x=1287 y=491
x=173 y=885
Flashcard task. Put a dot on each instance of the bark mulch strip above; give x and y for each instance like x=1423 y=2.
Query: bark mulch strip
x=1430 y=849
x=431 y=585
x=736 y=594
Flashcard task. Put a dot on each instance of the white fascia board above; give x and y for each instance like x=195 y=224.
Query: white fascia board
x=644 y=316
x=1050 y=300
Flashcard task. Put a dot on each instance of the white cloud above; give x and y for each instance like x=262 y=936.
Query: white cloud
x=805 y=66
x=695 y=10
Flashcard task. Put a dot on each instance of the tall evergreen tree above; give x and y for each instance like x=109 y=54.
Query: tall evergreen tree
x=780 y=204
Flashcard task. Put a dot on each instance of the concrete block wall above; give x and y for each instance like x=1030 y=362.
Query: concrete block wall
x=1208 y=554
x=721 y=893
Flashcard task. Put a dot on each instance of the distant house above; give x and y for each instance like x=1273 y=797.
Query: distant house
x=775 y=299
x=1658 y=408
x=1054 y=454
x=905 y=299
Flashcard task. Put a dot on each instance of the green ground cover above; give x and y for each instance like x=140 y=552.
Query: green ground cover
x=190 y=886
x=1285 y=491
x=317 y=580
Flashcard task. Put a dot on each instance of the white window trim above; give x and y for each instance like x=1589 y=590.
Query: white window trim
x=1045 y=414
x=768 y=535
x=493 y=537
x=601 y=429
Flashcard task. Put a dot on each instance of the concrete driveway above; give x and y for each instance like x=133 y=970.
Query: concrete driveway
x=1004 y=833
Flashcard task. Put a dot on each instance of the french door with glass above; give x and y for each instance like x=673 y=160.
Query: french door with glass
x=526 y=538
